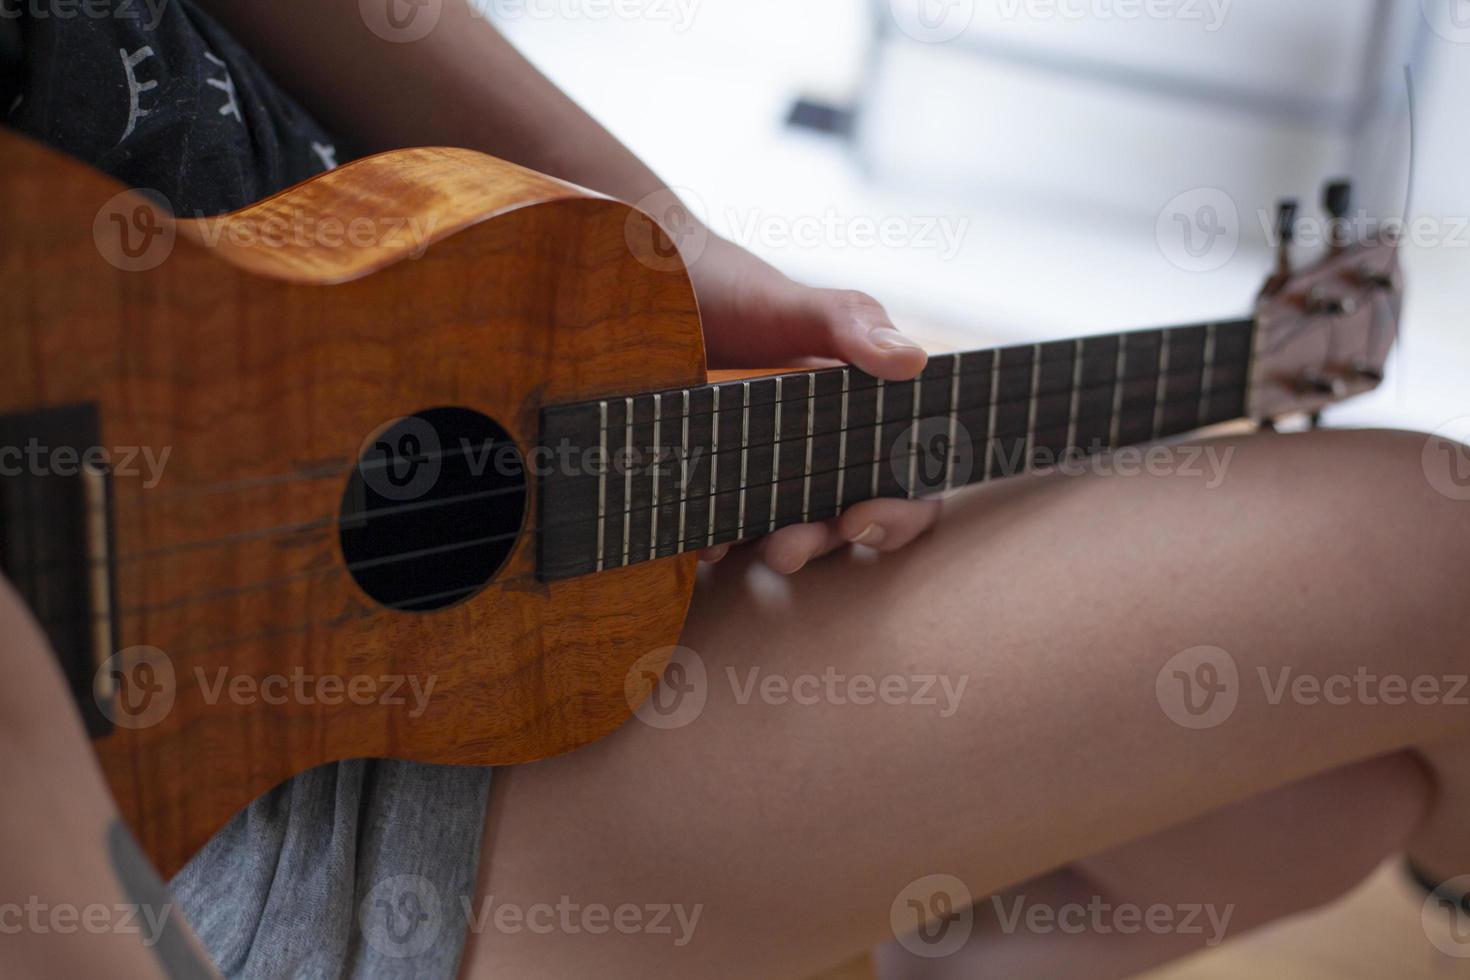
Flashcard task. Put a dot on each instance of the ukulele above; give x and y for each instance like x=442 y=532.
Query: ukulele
x=413 y=460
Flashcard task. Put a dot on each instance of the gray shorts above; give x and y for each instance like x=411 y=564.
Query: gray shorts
x=358 y=869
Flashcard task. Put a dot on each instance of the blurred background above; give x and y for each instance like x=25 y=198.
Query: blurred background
x=1010 y=170
x=1013 y=170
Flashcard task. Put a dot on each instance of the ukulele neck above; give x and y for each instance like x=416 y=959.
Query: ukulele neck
x=648 y=476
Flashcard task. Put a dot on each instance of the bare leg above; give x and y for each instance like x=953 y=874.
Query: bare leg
x=77 y=897
x=793 y=828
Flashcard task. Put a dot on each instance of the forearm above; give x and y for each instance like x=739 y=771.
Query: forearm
x=463 y=84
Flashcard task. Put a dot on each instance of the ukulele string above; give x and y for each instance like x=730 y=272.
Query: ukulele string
x=690 y=543
x=141 y=500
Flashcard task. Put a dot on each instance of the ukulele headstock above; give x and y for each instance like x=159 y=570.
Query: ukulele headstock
x=1323 y=332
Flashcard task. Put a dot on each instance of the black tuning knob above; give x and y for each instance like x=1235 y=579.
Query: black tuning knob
x=1317 y=383
x=1337 y=199
x=1367 y=372
x=1322 y=303
x=1286 y=212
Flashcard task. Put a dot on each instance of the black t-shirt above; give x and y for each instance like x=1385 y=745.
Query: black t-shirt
x=160 y=97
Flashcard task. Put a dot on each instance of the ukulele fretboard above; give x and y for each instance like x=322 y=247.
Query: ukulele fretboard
x=631 y=479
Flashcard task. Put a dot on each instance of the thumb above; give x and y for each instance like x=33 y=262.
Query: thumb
x=853 y=327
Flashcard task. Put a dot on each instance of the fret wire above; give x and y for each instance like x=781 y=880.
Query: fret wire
x=684 y=476
x=940 y=415
x=954 y=420
x=1207 y=379
x=914 y=436
x=602 y=488
x=1030 y=455
x=1163 y=386
x=878 y=437
x=842 y=441
x=1119 y=368
x=994 y=406
x=994 y=352
x=658 y=414
x=640 y=510
x=776 y=454
x=628 y=487
x=714 y=468
x=811 y=422
x=1002 y=404
x=744 y=455
x=1076 y=405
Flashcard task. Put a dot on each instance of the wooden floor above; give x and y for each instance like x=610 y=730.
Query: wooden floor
x=1376 y=933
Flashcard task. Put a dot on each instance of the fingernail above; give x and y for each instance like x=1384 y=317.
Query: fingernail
x=886 y=338
x=718 y=554
x=872 y=536
x=799 y=566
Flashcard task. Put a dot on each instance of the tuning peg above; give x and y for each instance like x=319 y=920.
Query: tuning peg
x=1317 y=383
x=1367 y=372
x=1375 y=279
x=1286 y=212
x=1322 y=303
x=1337 y=199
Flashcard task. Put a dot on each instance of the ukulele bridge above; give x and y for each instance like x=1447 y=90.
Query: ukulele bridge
x=55 y=543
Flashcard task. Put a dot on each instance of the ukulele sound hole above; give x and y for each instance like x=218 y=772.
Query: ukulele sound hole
x=432 y=509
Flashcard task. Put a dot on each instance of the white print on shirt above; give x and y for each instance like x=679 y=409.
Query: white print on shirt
x=136 y=88
x=327 y=152
x=227 y=86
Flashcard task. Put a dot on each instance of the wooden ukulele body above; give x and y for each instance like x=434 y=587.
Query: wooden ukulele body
x=260 y=357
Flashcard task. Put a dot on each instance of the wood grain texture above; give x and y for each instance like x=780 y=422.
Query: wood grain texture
x=261 y=366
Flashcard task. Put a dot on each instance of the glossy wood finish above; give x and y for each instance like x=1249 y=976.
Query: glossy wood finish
x=262 y=365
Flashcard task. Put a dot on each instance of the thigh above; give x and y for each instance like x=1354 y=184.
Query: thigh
x=1059 y=620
